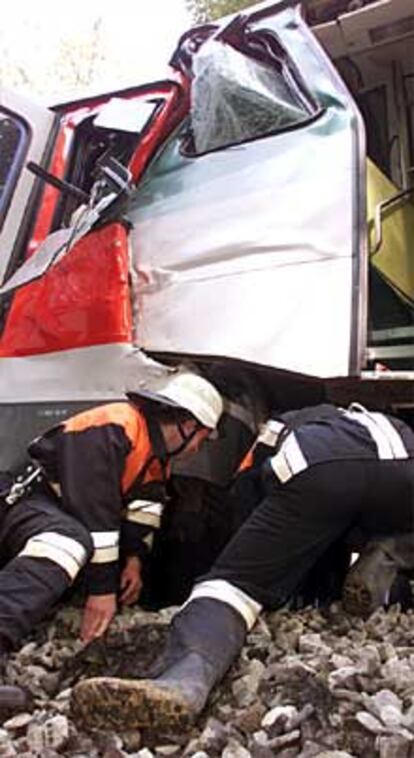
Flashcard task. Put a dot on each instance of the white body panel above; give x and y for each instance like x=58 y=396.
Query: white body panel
x=40 y=122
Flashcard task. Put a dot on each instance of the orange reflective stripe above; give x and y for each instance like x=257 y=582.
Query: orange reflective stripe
x=135 y=428
x=123 y=414
x=247 y=461
x=140 y=453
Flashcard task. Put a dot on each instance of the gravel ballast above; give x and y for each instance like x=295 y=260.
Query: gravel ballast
x=308 y=683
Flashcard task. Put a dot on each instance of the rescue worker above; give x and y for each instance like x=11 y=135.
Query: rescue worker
x=198 y=521
x=98 y=486
x=331 y=469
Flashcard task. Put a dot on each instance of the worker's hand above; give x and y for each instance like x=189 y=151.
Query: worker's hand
x=131 y=581
x=98 y=613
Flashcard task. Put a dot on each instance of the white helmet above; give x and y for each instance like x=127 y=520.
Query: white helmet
x=190 y=392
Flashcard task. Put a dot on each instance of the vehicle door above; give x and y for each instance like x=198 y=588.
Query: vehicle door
x=249 y=227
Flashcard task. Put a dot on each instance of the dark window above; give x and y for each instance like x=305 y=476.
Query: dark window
x=14 y=137
x=115 y=131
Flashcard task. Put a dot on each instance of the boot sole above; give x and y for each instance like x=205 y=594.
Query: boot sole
x=105 y=703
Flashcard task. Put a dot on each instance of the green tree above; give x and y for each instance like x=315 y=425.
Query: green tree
x=209 y=10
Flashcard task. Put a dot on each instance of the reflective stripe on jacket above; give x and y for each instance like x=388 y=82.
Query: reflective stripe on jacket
x=352 y=434
x=103 y=459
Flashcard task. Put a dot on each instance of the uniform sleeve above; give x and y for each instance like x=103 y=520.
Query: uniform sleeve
x=90 y=465
x=142 y=519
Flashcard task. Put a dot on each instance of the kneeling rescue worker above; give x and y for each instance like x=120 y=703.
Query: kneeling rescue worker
x=98 y=489
x=330 y=470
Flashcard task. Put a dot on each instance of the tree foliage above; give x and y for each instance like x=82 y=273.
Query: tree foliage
x=209 y=10
x=74 y=62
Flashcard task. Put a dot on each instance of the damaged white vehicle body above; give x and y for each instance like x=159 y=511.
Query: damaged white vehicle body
x=218 y=216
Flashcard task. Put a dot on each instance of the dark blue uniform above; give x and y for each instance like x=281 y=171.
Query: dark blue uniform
x=346 y=469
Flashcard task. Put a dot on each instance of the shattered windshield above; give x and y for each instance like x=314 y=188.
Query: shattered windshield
x=235 y=98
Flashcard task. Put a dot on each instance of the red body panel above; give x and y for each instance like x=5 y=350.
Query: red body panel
x=82 y=301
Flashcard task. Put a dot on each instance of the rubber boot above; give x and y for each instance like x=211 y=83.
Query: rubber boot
x=204 y=639
x=368 y=584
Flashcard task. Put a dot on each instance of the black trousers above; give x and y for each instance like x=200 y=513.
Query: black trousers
x=272 y=553
x=29 y=586
x=195 y=527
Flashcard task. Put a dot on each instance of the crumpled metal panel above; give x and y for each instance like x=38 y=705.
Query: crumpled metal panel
x=83 y=300
x=256 y=251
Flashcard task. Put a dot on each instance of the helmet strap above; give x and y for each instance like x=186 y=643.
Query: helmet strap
x=186 y=438
x=158 y=442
